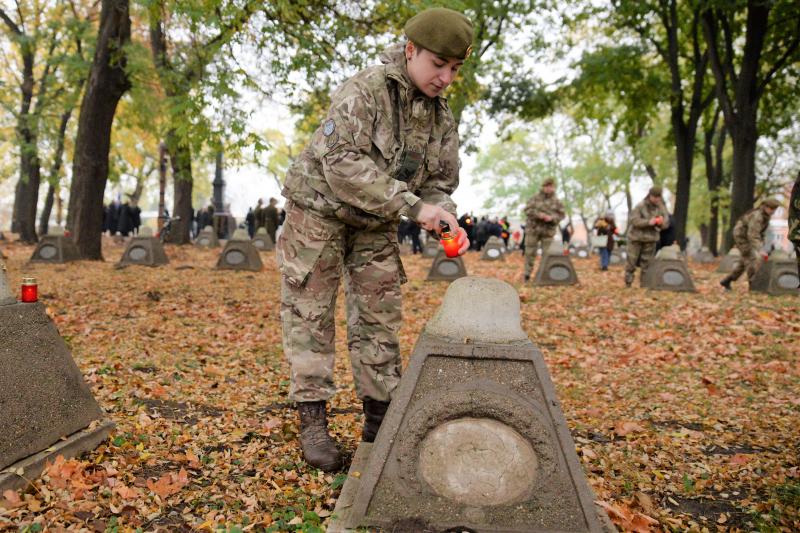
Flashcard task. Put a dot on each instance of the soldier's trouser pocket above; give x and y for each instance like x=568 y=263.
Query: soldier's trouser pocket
x=303 y=240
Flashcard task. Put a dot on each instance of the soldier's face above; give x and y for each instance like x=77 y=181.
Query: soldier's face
x=431 y=73
x=655 y=200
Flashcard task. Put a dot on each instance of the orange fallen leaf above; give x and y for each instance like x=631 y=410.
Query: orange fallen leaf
x=625 y=428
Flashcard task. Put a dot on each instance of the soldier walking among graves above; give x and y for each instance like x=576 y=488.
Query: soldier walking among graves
x=271 y=218
x=748 y=237
x=543 y=212
x=388 y=147
x=794 y=219
x=647 y=220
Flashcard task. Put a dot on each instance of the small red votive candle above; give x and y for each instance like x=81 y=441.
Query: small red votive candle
x=30 y=291
x=449 y=242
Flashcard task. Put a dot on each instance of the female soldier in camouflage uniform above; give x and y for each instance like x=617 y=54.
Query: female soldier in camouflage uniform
x=388 y=147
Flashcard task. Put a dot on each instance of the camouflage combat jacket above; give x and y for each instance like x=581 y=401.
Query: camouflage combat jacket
x=750 y=228
x=541 y=204
x=383 y=147
x=640 y=228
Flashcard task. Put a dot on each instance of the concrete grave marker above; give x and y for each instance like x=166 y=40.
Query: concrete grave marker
x=493 y=250
x=263 y=241
x=446 y=268
x=555 y=268
x=432 y=247
x=582 y=251
x=777 y=275
x=668 y=271
x=474 y=437
x=729 y=262
x=703 y=255
x=617 y=257
x=6 y=296
x=144 y=249
x=240 y=254
x=207 y=238
x=55 y=247
x=46 y=408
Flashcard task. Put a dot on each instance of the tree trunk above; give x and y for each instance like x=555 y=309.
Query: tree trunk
x=181 y=158
x=162 y=183
x=106 y=84
x=684 y=155
x=55 y=170
x=44 y=218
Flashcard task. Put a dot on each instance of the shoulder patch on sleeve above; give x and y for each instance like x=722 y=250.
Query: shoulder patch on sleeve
x=328 y=127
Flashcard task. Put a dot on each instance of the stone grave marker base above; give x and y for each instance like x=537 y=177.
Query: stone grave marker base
x=446 y=268
x=668 y=275
x=777 y=277
x=55 y=249
x=555 y=270
x=43 y=396
x=239 y=255
x=145 y=251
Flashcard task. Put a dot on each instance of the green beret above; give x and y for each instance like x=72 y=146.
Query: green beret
x=771 y=202
x=443 y=31
x=549 y=181
x=655 y=190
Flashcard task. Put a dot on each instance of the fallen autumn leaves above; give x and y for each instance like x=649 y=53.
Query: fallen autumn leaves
x=684 y=407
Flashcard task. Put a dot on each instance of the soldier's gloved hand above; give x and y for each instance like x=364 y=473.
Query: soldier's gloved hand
x=430 y=215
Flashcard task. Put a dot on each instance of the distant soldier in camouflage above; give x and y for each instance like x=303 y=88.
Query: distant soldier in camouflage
x=388 y=147
x=543 y=212
x=647 y=220
x=271 y=218
x=258 y=214
x=748 y=237
x=794 y=219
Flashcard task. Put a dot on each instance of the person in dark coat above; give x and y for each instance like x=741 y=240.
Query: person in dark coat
x=272 y=218
x=250 y=221
x=667 y=237
x=136 y=218
x=113 y=217
x=125 y=223
x=413 y=230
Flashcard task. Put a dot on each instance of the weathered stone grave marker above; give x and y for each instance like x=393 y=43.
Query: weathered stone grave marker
x=777 y=275
x=668 y=271
x=55 y=247
x=239 y=254
x=703 y=256
x=144 y=249
x=207 y=238
x=729 y=262
x=46 y=408
x=474 y=437
x=555 y=268
x=263 y=241
x=432 y=247
x=446 y=268
x=582 y=251
x=617 y=257
x=493 y=250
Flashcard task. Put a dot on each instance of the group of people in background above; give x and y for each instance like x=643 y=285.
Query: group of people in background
x=269 y=217
x=122 y=218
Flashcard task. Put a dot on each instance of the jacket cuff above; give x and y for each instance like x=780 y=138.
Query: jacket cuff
x=413 y=206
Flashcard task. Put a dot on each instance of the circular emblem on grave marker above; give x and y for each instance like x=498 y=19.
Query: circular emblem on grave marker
x=137 y=253
x=673 y=278
x=48 y=251
x=558 y=273
x=478 y=461
x=494 y=253
x=235 y=257
x=205 y=241
x=788 y=280
x=258 y=243
x=448 y=268
x=582 y=253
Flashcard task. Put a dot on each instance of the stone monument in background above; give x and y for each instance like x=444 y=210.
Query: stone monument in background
x=446 y=268
x=240 y=254
x=262 y=240
x=207 y=238
x=474 y=438
x=777 y=276
x=493 y=250
x=668 y=271
x=555 y=268
x=55 y=247
x=729 y=262
x=144 y=249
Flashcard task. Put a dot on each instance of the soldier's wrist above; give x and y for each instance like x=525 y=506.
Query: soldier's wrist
x=412 y=207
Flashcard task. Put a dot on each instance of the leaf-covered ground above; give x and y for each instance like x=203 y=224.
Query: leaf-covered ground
x=685 y=408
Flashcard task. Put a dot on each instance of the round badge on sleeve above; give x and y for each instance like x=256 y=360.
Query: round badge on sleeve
x=329 y=127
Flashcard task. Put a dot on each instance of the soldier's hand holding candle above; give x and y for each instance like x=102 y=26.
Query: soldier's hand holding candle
x=430 y=216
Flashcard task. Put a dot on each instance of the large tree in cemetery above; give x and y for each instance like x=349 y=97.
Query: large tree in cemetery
x=754 y=52
x=41 y=49
x=106 y=83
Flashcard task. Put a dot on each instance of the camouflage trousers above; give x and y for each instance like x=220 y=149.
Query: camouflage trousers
x=532 y=242
x=639 y=254
x=750 y=262
x=314 y=253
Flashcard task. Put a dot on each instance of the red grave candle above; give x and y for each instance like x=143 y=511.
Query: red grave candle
x=30 y=291
x=449 y=241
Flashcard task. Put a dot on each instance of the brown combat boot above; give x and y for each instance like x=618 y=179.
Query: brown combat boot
x=374 y=411
x=319 y=449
